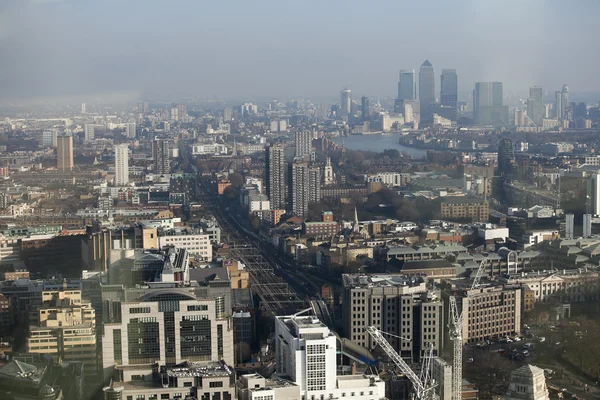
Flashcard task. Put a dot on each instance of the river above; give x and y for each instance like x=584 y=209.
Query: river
x=378 y=143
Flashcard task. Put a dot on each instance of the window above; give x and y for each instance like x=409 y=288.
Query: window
x=215 y=384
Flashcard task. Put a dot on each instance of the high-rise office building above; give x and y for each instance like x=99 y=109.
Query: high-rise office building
x=64 y=152
x=83 y=108
x=275 y=176
x=305 y=350
x=365 y=108
x=345 y=102
x=506 y=157
x=561 y=103
x=121 y=165
x=227 y=114
x=594 y=195
x=160 y=155
x=303 y=141
x=569 y=225
x=488 y=104
x=535 y=106
x=587 y=225
x=407 y=86
x=449 y=88
x=426 y=90
x=304 y=187
x=396 y=304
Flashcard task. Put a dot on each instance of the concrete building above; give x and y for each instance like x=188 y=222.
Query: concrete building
x=63 y=327
x=121 y=165
x=491 y=312
x=527 y=383
x=303 y=141
x=464 y=208
x=197 y=245
x=89 y=132
x=397 y=304
x=256 y=387
x=64 y=152
x=305 y=350
x=441 y=372
x=167 y=325
x=275 y=172
x=304 y=187
x=160 y=155
x=390 y=179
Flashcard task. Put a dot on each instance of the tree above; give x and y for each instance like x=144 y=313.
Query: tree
x=255 y=223
x=392 y=153
x=236 y=179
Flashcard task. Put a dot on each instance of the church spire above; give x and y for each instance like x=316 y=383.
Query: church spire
x=355 y=227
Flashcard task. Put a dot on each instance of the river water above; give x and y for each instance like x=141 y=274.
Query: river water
x=378 y=143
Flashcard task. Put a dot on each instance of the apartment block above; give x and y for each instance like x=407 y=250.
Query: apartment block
x=396 y=304
x=464 y=208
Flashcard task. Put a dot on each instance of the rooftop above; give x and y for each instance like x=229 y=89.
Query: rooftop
x=380 y=280
x=189 y=369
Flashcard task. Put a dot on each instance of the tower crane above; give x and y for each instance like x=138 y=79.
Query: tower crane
x=456 y=319
x=424 y=385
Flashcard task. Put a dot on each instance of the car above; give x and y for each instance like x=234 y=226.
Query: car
x=517 y=339
x=542 y=339
x=470 y=360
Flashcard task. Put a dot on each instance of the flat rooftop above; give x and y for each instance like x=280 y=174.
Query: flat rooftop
x=363 y=280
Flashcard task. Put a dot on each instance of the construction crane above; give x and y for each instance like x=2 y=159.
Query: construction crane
x=456 y=319
x=424 y=385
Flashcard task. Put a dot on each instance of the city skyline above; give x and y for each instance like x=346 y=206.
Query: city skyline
x=72 y=71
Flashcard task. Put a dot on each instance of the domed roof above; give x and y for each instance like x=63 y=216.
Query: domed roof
x=426 y=63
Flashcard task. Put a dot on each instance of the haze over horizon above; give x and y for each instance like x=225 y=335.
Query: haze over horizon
x=181 y=48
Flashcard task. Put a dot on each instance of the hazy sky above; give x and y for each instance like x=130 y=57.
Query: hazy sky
x=281 y=49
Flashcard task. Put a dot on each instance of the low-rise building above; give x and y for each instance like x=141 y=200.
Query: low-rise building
x=198 y=245
x=465 y=208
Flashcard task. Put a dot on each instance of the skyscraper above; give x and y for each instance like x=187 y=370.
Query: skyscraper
x=89 y=132
x=426 y=90
x=561 y=103
x=569 y=226
x=131 y=130
x=535 y=105
x=275 y=176
x=160 y=154
x=345 y=102
x=506 y=157
x=488 y=108
x=303 y=140
x=121 y=165
x=304 y=187
x=449 y=88
x=407 y=87
x=365 y=108
x=64 y=152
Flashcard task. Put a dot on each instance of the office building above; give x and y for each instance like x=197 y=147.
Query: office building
x=449 y=88
x=303 y=141
x=536 y=109
x=506 y=158
x=275 y=176
x=426 y=90
x=407 y=85
x=561 y=103
x=593 y=189
x=160 y=155
x=569 y=226
x=121 y=165
x=397 y=304
x=63 y=327
x=465 y=209
x=197 y=245
x=345 y=102
x=527 y=383
x=491 y=312
x=304 y=187
x=227 y=114
x=305 y=350
x=365 y=108
x=488 y=108
x=64 y=152
x=441 y=373
x=167 y=324
x=587 y=225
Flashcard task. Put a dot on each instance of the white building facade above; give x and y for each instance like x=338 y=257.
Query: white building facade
x=121 y=165
x=197 y=245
